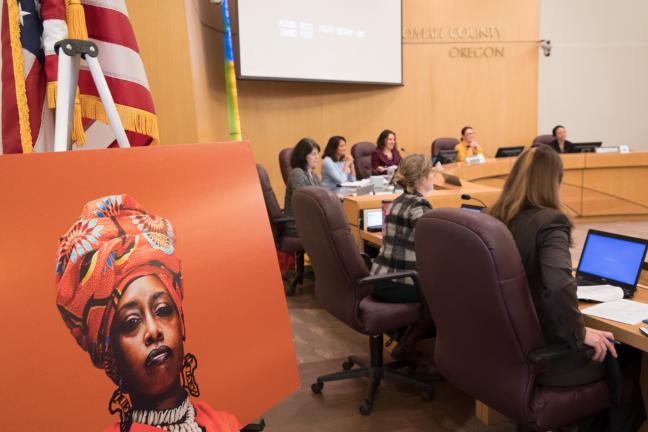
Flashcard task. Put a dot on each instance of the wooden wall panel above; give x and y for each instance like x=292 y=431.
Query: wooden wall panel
x=161 y=31
x=497 y=96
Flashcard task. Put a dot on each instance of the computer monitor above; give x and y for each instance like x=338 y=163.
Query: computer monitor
x=445 y=156
x=509 y=151
x=613 y=259
x=584 y=147
x=373 y=219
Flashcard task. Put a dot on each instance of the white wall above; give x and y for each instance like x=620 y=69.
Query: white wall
x=596 y=80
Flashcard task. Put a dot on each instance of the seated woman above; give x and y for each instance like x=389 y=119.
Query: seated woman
x=386 y=155
x=530 y=207
x=397 y=253
x=303 y=161
x=468 y=145
x=337 y=166
x=120 y=291
x=560 y=143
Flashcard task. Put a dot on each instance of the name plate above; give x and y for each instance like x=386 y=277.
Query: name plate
x=608 y=150
x=477 y=159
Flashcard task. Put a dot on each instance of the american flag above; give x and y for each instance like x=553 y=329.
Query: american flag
x=30 y=28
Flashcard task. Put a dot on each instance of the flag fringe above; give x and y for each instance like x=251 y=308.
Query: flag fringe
x=133 y=119
x=26 y=141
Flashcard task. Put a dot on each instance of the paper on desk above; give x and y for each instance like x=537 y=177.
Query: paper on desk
x=625 y=311
x=357 y=183
x=599 y=293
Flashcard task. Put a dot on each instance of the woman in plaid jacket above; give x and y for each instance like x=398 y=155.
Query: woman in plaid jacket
x=416 y=177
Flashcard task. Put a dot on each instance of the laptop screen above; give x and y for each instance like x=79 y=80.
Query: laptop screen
x=373 y=218
x=613 y=257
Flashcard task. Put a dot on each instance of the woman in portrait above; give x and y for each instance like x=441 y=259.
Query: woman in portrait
x=120 y=291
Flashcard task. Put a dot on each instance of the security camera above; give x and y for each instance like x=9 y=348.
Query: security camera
x=546 y=46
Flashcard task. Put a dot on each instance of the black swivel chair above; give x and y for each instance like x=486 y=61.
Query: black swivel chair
x=283 y=242
x=343 y=287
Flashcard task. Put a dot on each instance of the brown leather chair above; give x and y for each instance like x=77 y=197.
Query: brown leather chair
x=284 y=163
x=343 y=287
x=542 y=139
x=361 y=153
x=283 y=242
x=443 y=144
x=489 y=341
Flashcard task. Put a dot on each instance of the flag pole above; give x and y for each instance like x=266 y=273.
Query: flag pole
x=233 y=118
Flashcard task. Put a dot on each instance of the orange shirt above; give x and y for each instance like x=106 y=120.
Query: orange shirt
x=463 y=151
x=212 y=421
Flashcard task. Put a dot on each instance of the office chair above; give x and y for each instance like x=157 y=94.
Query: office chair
x=284 y=163
x=283 y=242
x=343 y=287
x=542 y=139
x=361 y=153
x=442 y=144
x=489 y=341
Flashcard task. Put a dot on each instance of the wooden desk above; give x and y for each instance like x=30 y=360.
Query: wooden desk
x=443 y=196
x=594 y=185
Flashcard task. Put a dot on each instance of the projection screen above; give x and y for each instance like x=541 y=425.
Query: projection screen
x=355 y=41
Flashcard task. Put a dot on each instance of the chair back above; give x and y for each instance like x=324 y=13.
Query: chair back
x=284 y=163
x=474 y=282
x=361 y=153
x=542 y=139
x=271 y=203
x=326 y=236
x=443 y=144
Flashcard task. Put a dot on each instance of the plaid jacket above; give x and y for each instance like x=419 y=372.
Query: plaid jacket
x=397 y=252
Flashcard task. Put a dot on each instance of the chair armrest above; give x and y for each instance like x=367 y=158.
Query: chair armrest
x=389 y=276
x=283 y=219
x=550 y=353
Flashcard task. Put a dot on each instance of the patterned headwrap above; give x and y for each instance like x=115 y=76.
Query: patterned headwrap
x=113 y=242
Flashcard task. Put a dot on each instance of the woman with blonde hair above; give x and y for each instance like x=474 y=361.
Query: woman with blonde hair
x=530 y=207
x=415 y=175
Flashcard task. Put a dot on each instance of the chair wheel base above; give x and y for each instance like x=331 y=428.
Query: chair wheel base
x=317 y=387
x=366 y=408
x=347 y=365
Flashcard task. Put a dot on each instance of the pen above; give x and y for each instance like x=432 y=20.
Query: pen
x=614 y=341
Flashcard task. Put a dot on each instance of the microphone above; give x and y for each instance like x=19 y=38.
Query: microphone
x=470 y=197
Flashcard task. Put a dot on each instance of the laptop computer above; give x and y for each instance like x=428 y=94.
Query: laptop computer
x=373 y=219
x=611 y=259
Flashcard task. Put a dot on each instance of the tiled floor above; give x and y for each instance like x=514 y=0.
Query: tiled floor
x=322 y=342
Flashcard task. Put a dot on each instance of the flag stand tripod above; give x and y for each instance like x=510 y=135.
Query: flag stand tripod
x=70 y=52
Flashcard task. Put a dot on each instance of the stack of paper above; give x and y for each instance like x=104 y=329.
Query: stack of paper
x=599 y=293
x=625 y=311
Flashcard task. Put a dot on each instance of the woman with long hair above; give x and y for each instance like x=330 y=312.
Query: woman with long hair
x=337 y=165
x=386 y=156
x=303 y=161
x=530 y=207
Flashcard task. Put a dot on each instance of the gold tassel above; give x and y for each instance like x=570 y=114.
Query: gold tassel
x=19 y=77
x=51 y=94
x=77 y=29
x=75 y=18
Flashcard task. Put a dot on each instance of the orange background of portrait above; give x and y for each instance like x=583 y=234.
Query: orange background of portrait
x=236 y=314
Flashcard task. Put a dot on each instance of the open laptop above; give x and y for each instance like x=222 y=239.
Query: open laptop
x=373 y=219
x=611 y=259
